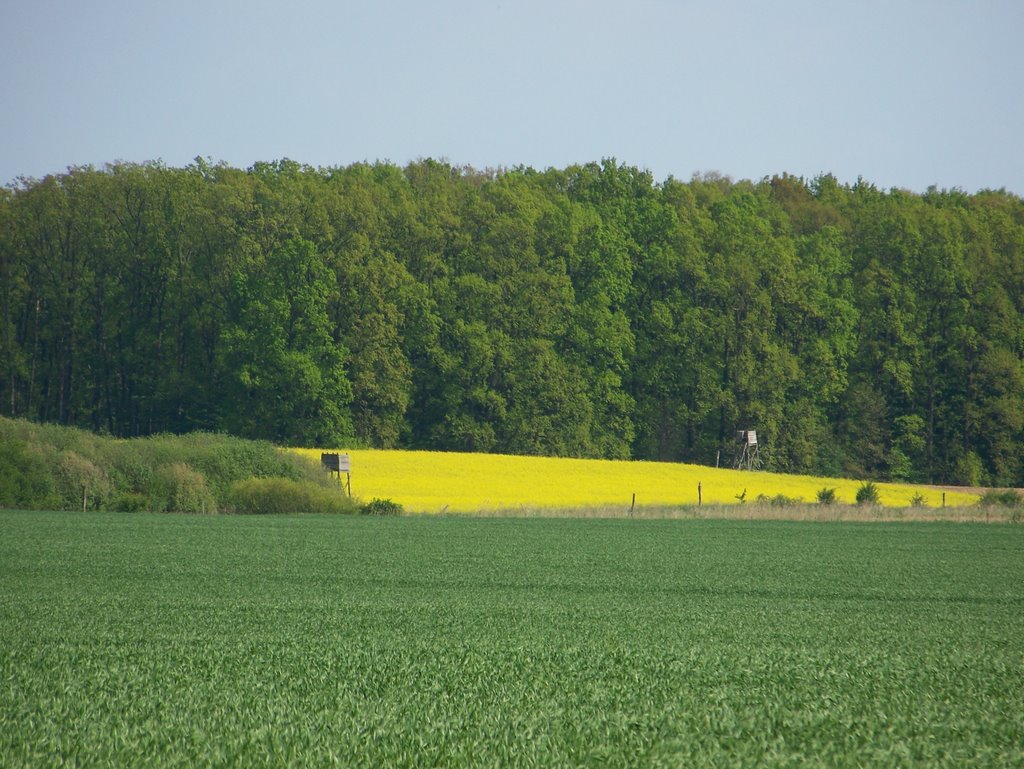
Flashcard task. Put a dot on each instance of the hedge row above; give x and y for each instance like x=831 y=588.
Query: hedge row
x=49 y=467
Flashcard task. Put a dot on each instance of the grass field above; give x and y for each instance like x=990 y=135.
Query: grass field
x=167 y=640
x=430 y=482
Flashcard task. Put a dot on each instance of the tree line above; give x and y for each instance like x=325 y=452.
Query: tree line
x=585 y=311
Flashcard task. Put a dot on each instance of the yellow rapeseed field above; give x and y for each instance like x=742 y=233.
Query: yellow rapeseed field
x=434 y=482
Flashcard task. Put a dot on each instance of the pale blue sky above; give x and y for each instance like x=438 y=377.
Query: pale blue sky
x=903 y=93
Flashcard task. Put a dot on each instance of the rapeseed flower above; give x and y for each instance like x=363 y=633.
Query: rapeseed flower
x=449 y=482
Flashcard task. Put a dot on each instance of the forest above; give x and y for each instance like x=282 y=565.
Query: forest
x=589 y=311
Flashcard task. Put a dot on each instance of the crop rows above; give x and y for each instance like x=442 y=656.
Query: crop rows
x=190 y=641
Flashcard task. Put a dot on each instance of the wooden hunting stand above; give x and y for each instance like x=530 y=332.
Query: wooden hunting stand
x=339 y=463
x=747 y=455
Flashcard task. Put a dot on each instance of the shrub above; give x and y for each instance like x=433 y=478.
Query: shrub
x=180 y=489
x=917 y=500
x=46 y=466
x=130 y=469
x=25 y=481
x=826 y=496
x=867 y=494
x=130 y=502
x=381 y=507
x=1001 y=498
x=264 y=496
x=82 y=484
x=900 y=466
x=779 y=500
x=223 y=459
x=969 y=470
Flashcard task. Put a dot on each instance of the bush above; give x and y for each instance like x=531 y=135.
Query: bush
x=917 y=500
x=221 y=459
x=900 y=466
x=779 y=500
x=826 y=496
x=130 y=502
x=265 y=496
x=867 y=494
x=82 y=484
x=180 y=489
x=969 y=470
x=381 y=507
x=1001 y=498
x=46 y=466
x=130 y=470
x=25 y=481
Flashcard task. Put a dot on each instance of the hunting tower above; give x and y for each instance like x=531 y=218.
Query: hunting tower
x=747 y=455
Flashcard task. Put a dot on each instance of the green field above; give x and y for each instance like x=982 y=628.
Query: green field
x=166 y=640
